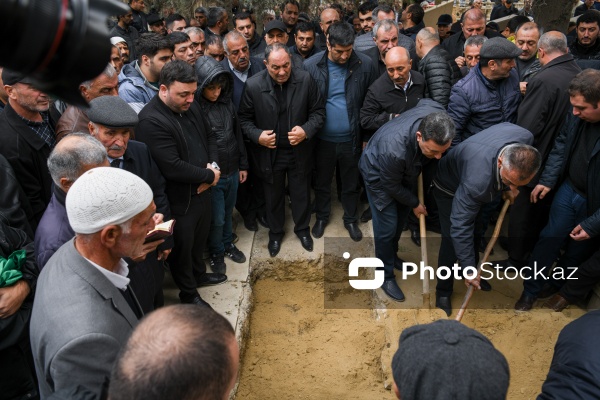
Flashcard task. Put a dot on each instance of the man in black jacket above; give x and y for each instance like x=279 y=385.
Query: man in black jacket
x=473 y=174
x=390 y=165
x=541 y=112
x=587 y=45
x=281 y=111
x=183 y=147
x=343 y=77
x=386 y=36
x=243 y=24
x=473 y=24
x=504 y=10
x=573 y=169
x=438 y=68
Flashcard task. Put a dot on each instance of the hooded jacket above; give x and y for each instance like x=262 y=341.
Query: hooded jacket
x=134 y=88
x=221 y=116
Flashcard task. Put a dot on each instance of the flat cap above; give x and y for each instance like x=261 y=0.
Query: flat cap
x=499 y=48
x=275 y=24
x=447 y=360
x=154 y=18
x=10 y=77
x=445 y=19
x=112 y=111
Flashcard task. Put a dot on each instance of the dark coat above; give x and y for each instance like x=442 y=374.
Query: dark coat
x=543 y=109
x=441 y=73
x=54 y=229
x=575 y=371
x=500 y=11
x=222 y=117
x=413 y=30
x=11 y=199
x=256 y=65
x=383 y=101
x=454 y=45
x=392 y=160
x=556 y=169
x=258 y=112
x=585 y=53
x=373 y=53
x=28 y=154
x=160 y=129
x=130 y=35
x=476 y=103
x=470 y=173
x=360 y=75
x=258 y=45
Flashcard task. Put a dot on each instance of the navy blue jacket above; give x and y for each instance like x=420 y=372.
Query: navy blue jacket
x=256 y=65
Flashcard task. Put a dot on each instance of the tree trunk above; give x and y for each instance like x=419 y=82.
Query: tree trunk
x=553 y=15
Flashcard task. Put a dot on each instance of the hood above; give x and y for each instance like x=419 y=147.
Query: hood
x=207 y=69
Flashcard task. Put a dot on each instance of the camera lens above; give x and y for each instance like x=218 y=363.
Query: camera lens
x=59 y=43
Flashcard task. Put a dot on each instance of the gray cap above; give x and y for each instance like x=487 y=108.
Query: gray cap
x=275 y=24
x=112 y=111
x=447 y=360
x=499 y=48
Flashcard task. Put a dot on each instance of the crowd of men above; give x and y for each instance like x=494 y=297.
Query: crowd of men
x=193 y=118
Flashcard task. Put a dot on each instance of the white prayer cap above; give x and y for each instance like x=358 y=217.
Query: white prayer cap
x=106 y=196
x=116 y=39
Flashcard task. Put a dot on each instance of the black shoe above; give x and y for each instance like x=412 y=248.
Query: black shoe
x=547 y=291
x=306 y=242
x=354 y=231
x=366 y=215
x=415 y=236
x=208 y=279
x=398 y=264
x=234 y=238
x=525 y=302
x=391 y=288
x=444 y=303
x=263 y=221
x=217 y=263
x=250 y=224
x=235 y=254
x=274 y=246
x=485 y=285
x=197 y=300
x=319 y=228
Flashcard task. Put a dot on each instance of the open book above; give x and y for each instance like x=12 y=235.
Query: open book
x=160 y=231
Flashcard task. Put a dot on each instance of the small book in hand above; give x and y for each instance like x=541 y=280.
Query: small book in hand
x=160 y=231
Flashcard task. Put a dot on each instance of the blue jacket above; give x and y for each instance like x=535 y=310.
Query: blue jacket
x=361 y=74
x=134 y=88
x=477 y=103
x=54 y=229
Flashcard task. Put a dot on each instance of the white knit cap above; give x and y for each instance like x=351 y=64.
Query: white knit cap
x=116 y=39
x=105 y=196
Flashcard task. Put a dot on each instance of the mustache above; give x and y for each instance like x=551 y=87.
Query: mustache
x=116 y=147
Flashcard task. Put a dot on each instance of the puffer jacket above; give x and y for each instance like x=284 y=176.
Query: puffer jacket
x=221 y=116
x=477 y=103
x=441 y=73
x=134 y=88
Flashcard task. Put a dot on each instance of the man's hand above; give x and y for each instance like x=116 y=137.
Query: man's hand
x=267 y=139
x=364 y=145
x=296 y=135
x=158 y=218
x=12 y=297
x=579 y=234
x=460 y=61
x=243 y=176
x=216 y=172
x=510 y=195
x=147 y=248
x=164 y=254
x=203 y=187
x=523 y=87
x=476 y=283
x=539 y=192
x=420 y=209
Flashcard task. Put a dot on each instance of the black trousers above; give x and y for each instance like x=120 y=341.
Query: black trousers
x=327 y=156
x=299 y=186
x=147 y=279
x=526 y=221
x=250 y=200
x=583 y=280
x=432 y=219
x=190 y=234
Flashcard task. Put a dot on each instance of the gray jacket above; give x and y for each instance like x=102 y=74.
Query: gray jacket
x=79 y=323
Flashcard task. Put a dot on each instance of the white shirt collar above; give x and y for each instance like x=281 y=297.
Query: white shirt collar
x=119 y=277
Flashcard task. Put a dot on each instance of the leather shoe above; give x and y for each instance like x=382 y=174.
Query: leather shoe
x=398 y=264
x=485 y=285
x=306 y=242
x=547 y=291
x=263 y=221
x=557 y=303
x=319 y=228
x=274 y=247
x=366 y=215
x=210 y=279
x=391 y=288
x=354 y=231
x=525 y=302
x=197 y=300
x=415 y=236
x=444 y=304
x=250 y=224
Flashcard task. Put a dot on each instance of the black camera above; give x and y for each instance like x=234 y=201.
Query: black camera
x=58 y=43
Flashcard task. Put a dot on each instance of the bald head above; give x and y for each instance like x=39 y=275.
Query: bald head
x=427 y=39
x=398 y=65
x=551 y=45
x=328 y=17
